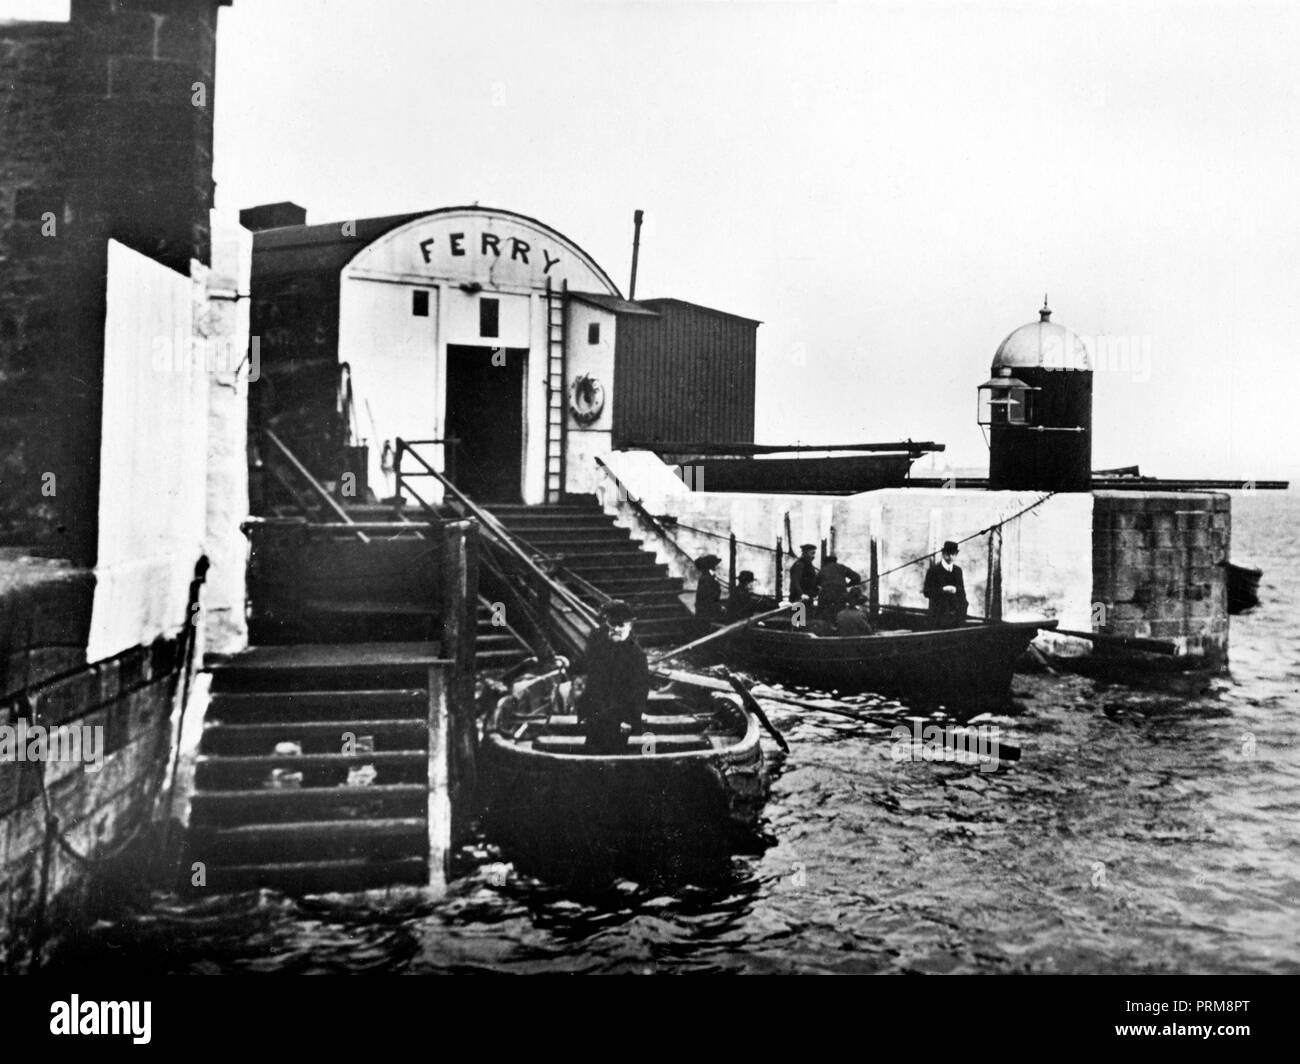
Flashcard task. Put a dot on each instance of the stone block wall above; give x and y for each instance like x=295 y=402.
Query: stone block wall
x=1160 y=569
x=105 y=133
x=45 y=892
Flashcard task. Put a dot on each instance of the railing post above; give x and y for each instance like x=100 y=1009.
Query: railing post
x=731 y=581
x=873 y=600
x=438 y=808
x=993 y=586
x=459 y=574
x=780 y=570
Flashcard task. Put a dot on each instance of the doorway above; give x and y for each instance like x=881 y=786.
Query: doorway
x=485 y=411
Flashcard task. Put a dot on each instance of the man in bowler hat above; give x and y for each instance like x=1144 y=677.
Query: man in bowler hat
x=945 y=589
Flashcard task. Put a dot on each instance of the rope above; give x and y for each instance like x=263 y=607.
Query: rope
x=919 y=558
x=53 y=827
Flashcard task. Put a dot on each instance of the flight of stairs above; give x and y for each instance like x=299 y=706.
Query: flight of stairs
x=586 y=540
x=312 y=772
x=371 y=592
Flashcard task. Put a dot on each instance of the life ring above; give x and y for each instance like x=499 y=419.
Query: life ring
x=586 y=399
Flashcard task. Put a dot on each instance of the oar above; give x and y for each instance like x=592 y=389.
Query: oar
x=725 y=630
x=1006 y=750
x=751 y=704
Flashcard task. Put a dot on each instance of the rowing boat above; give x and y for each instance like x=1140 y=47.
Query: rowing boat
x=689 y=786
x=967 y=665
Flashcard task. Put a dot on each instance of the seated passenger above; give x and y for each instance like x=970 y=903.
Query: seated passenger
x=744 y=602
x=853 y=619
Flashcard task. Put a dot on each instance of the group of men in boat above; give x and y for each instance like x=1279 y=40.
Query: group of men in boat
x=833 y=597
x=618 y=673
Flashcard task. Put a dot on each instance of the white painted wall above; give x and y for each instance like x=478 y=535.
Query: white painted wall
x=1046 y=555
x=582 y=475
x=398 y=360
x=152 y=497
x=398 y=383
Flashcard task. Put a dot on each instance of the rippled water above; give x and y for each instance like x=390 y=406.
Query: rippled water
x=1140 y=831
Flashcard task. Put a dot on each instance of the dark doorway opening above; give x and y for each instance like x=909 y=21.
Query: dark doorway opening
x=485 y=411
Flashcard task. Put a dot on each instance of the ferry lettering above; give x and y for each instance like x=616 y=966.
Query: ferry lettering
x=549 y=261
x=456 y=239
x=519 y=249
x=491 y=240
x=425 y=245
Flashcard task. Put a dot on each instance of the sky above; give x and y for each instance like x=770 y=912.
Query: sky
x=891 y=189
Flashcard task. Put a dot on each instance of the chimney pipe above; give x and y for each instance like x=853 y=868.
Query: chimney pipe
x=636 y=250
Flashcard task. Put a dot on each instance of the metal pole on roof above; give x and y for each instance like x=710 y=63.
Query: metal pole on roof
x=636 y=250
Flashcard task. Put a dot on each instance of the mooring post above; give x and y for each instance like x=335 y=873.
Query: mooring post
x=731 y=582
x=438 y=810
x=993 y=586
x=780 y=570
x=873 y=600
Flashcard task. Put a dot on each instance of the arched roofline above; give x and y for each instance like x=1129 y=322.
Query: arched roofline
x=394 y=234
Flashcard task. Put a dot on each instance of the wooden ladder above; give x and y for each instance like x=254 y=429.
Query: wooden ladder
x=556 y=313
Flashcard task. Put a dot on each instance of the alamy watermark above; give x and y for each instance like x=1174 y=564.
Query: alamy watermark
x=182 y=352
x=62 y=743
x=962 y=744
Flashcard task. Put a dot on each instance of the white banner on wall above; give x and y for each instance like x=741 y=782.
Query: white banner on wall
x=153 y=452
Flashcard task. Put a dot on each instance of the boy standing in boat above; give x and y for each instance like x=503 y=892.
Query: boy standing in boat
x=618 y=681
x=946 y=590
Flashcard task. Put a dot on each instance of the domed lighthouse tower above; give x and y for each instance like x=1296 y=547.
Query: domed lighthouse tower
x=1037 y=408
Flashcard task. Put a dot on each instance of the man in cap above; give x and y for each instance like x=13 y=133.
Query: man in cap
x=833 y=587
x=946 y=590
x=618 y=681
x=708 y=592
x=803 y=575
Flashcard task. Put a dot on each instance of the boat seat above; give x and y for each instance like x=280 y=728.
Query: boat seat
x=662 y=744
x=680 y=724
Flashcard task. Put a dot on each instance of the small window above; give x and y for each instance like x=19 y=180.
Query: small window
x=489 y=315
x=593 y=333
x=420 y=303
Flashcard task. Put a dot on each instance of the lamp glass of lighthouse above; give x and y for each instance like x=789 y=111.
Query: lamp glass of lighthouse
x=1004 y=400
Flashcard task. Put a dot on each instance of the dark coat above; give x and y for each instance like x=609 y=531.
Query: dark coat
x=618 y=681
x=803 y=580
x=945 y=608
x=708 y=597
x=853 y=620
x=744 y=603
x=833 y=587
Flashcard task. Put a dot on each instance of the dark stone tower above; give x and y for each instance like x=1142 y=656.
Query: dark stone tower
x=1038 y=410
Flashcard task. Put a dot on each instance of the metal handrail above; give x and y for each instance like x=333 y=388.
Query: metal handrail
x=315 y=484
x=498 y=532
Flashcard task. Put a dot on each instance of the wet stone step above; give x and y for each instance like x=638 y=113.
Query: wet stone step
x=262 y=805
x=383 y=839
x=319 y=706
x=311 y=877
x=308 y=770
x=314 y=736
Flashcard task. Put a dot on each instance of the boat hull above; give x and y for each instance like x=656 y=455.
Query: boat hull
x=562 y=815
x=970 y=665
x=1243 y=588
